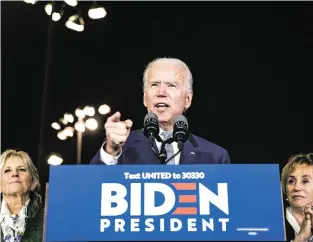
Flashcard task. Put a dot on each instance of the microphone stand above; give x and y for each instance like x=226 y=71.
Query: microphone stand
x=162 y=150
x=151 y=141
x=162 y=155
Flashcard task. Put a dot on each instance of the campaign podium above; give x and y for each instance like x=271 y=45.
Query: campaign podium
x=231 y=202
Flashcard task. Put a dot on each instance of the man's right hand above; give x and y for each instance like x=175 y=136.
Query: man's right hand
x=116 y=133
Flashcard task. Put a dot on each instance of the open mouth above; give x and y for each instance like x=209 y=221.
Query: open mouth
x=161 y=106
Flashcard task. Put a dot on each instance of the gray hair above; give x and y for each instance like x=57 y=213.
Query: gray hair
x=172 y=61
x=34 y=195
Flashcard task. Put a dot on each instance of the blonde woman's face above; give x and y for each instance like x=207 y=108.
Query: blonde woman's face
x=300 y=186
x=15 y=177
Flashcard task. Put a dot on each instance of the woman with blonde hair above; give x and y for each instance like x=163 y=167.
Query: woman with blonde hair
x=297 y=185
x=21 y=211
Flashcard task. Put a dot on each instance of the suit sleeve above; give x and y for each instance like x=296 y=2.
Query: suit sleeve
x=104 y=158
x=96 y=159
x=225 y=158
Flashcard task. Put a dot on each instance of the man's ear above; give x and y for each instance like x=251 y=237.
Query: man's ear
x=144 y=99
x=188 y=99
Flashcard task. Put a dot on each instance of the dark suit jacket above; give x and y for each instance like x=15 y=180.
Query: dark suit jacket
x=196 y=151
x=290 y=233
x=34 y=228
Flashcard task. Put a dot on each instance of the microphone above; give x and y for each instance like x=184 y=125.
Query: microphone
x=151 y=131
x=180 y=133
x=151 y=127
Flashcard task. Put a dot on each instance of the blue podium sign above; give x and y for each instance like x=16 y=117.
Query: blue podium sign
x=157 y=203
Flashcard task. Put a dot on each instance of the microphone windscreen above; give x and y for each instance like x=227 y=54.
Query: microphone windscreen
x=151 y=125
x=181 y=120
x=150 y=116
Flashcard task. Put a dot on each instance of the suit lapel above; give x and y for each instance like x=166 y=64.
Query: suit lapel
x=145 y=151
x=189 y=154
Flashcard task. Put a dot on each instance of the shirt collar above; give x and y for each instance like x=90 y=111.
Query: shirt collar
x=292 y=220
x=4 y=210
x=161 y=131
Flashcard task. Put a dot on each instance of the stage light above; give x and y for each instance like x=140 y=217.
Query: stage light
x=48 y=8
x=80 y=126
x=69 y=131
x=62 y=135
x=91 y=124
x=69 y=117
x=104 y=109
x=55 y=160
x=72 y=3
x=96 y=12
x=79 y=113
x=56 y=126
x=30 y=1
x=57 y=11
x=76 y=23
x=89 y=111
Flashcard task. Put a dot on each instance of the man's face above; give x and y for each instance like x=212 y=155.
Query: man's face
x=166 y=92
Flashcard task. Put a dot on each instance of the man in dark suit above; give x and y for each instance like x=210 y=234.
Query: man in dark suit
x=167 y=87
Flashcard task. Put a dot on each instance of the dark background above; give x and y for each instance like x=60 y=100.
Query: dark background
x=251 y=61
